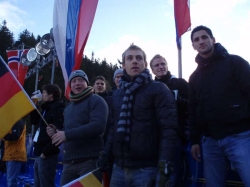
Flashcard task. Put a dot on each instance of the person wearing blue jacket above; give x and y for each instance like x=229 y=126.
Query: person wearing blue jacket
x=85 y=118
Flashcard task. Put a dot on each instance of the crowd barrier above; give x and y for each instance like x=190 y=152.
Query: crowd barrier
x=192 y=170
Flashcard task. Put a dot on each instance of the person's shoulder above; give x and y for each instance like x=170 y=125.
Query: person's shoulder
x=156 y=85
x=177 y=80
x=95 y=97
x=192 y=77
x=118 y=92
x=236 y=58
x=61 y=103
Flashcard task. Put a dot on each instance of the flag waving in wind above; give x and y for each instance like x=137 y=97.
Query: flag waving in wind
x=14 y=63
x=72 y=21
x=182 y=18
x=14 y=101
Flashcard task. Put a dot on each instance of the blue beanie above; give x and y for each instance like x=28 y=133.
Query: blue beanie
x=118 y=71
x=79 y=73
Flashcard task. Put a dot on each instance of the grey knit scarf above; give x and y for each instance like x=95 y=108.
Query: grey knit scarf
x=124 y=122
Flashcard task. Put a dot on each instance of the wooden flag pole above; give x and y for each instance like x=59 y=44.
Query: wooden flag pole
x=42 y=117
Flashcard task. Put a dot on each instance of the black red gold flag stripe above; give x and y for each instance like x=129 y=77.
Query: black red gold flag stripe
x=14 y=101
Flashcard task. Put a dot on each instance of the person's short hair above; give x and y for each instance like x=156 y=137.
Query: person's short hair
x=201 y=27
x=99 y=77
x=133 y=47
x=155 y=57
x=54 y=90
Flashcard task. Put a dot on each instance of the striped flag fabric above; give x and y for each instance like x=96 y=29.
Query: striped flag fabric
x=14 y=101
x=14 y=63
x=72 y=21
x=182 y=19
x=88 y=180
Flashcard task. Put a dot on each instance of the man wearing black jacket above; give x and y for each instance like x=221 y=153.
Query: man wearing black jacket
x=219 y=109
x=143 y=135
x=46 y=153
x=179 y=88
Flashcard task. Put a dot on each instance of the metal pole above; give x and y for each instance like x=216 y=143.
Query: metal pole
x=179 y=61
x=37 y=71
x=53 y=66
x=36 y=87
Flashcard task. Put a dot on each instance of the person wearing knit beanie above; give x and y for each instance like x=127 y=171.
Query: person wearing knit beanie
x=117 y=75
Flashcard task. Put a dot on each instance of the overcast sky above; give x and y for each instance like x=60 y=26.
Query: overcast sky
x=146 y=23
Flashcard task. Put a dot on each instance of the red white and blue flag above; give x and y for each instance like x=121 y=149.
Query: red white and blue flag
x=14 y=63
x=72 y=21
x=182 y=19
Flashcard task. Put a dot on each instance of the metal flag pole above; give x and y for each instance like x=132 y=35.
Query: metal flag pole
x=179 y=60
x=53 y=66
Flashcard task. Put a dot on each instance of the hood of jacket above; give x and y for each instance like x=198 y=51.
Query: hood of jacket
x=219 y=51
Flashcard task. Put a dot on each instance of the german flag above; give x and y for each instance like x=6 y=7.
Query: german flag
x=88 y=180
x=14 y=101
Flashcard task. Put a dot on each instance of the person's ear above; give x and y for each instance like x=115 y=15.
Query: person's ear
x=214 y=41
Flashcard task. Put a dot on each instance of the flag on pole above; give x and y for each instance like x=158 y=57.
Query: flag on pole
x=182 y=19
x=72 y=21
x=14 y=63
x=88 y=180
x=14 y=101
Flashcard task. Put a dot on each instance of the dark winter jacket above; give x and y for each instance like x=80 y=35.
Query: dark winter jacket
x=180 y=87
x=219 y=95
x=53 y=114
x=108 y=98
x=153 y=131
x=84 y=125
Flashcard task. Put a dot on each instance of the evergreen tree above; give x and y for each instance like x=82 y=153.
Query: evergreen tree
x=6 y=40
x=27 y=38
x=95 y=68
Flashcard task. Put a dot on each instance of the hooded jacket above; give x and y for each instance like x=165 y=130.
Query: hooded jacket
x=14 y=143
x=219 y=96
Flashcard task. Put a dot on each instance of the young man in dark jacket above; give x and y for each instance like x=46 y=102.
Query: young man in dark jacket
x=46 y=153
x=143 y=137
x=219 y=109
x=179 y=88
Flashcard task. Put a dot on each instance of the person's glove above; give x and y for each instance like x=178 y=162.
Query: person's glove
x=164 y=170
x=103 y=161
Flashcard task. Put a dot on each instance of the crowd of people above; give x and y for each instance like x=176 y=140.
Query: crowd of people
x=136 y=132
